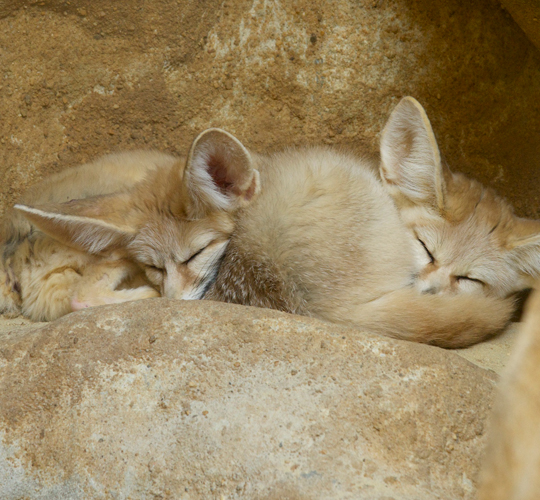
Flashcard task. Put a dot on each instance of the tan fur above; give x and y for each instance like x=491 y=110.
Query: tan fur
x=316 y=232
x=511 y=469
x=43 y=279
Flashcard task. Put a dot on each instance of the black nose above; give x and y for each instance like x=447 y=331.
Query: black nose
x=431 y=290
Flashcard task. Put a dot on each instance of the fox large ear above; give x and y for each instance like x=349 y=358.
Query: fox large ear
x=524 y=245
x=92 y=225
x=410 y=159
x=219 y=171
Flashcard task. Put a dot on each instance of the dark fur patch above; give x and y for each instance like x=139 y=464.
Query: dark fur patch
x=16 y=287
x=243 y=280
x=10 y=246
x=211 y=278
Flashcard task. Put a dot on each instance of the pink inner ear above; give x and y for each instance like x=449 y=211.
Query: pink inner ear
x=218 y=171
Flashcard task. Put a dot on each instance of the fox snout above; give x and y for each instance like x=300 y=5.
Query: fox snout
x=439 y=280
x=174 y=285
x=182 y=285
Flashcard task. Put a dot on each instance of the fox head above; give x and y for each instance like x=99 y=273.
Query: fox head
x=468 y=239
x=175 y=224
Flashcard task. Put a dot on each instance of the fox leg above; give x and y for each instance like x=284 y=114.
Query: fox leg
x=103 y=290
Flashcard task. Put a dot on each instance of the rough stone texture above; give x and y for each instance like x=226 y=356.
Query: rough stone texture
x=199 y=400
x=83 y=77
x=527 y=15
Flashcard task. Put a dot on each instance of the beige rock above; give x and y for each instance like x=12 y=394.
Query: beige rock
x=200 y=400
x=493 y=354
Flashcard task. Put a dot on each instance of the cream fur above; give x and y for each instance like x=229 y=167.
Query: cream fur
x=511 y=468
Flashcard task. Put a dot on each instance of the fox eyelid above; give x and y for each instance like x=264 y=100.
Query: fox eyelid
x=459 y=278
x=426 y=249
x=198 y=252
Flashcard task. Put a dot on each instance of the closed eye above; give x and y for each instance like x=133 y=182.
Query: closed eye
x=427 y=251
x=198 y=252
x=468 y=278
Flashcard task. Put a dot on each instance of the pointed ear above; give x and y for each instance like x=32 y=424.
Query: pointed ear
x=410 y=159
x=524 y=233
x=524 y=245
x=92 y=225
x=219 y=171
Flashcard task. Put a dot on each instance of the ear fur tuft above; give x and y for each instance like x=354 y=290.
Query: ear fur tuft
x=525 y=232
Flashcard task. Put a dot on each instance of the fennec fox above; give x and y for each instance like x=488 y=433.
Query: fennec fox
x=45 y=279
x=511 y=468
x=420 y=254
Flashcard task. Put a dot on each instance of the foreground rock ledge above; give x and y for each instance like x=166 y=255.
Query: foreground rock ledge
x=197 y=400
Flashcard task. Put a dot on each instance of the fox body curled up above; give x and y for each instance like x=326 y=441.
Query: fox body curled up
x=420 y=253
x=44 y=279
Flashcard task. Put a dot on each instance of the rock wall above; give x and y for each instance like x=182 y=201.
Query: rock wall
x=527 y=15
x=80 y=78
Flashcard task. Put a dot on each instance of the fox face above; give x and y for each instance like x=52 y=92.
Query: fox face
x=470 y=250
x=468 y=239
x=175 y=224
x=181 y=258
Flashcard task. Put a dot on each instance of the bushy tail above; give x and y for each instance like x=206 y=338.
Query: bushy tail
x=446 y=321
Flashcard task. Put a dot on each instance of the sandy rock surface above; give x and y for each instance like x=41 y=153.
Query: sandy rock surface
x=82 y=78
x=493 y=354
x=200 y=400
x=527 y=15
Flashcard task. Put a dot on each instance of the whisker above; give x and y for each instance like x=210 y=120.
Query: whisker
x=208 y=273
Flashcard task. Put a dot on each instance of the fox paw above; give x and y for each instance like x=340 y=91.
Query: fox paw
x=77 y=305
